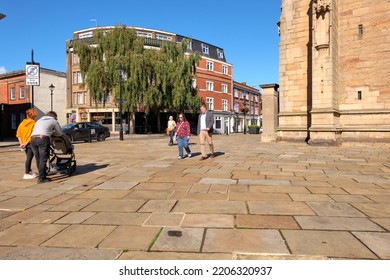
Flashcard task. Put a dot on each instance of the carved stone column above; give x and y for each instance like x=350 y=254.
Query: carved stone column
x=324 y=113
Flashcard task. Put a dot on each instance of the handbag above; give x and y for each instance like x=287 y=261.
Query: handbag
x=167 y=131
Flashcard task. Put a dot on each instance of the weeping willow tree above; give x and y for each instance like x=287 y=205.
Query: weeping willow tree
x=156 y=79
x=179 y=71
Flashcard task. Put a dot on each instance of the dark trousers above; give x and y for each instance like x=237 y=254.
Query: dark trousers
x=41 y=149
x=29 y=157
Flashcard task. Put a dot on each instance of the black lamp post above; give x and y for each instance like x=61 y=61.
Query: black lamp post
x=120 y=69
x=51 y=87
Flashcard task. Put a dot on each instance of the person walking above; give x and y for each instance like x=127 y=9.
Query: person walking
x=40 y=142
x=205 y=131
x=182 y=132
x=23 y=133
x=171 y=129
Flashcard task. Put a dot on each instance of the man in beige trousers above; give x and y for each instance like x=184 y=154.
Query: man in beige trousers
x=205 y=131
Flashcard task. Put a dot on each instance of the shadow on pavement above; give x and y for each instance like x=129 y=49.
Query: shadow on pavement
x=90 y=167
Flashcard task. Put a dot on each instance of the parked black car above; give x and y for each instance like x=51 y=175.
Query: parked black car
x=83 y=131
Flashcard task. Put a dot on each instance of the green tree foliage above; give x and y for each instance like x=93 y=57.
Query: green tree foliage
x=156 y=79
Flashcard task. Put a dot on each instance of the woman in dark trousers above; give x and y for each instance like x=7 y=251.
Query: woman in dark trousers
x=23 y=134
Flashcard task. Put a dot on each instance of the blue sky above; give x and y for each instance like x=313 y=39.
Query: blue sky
x=246 y=29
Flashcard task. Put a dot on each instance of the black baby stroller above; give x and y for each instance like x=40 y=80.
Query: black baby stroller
x=62 y=157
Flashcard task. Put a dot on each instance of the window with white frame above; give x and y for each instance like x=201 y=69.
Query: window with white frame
x=210 y=65
x=21 y=92
x=79 y=78
x=235 y=91
x=224 y=88
x=81 y=98
x=75 y=98
x=76 y=59
x=224 y=69
x=205 y=49
x=163 y=37
x=209 y=86
x=224 y=105
x=144 y=34
x=189 y=45
x=106 y=97
x=12 y=94
x=193 y=83
x=210 y=103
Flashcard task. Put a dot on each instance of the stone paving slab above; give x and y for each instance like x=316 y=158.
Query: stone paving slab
x=74 y=218
x=47 y=217
x=173 y=256
x=383 y=222
x=158 y=206
x=164 y=220
x=73 y=204
x=378 y=242
x=130 y=238
x=210 y=207
x=268 y=221
x=146 y=195
x=208 y=220
x=20 y=203
x=117 y=218
x=281 y=208
x=326 y=243
x=190 y=240
x=334 y=209
x=80 y=236
x=43 y=253
x=244 y=240
x=337 y=223
x=29 y=234
x=374 y=209
x=114 y=205
x=113 y=185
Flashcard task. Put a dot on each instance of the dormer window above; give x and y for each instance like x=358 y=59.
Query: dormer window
x=205 y=49
x=220 y=53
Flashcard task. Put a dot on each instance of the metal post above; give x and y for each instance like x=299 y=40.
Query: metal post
x=120 y=106
x=32 y=87
x=51 y=87
x=51 y=101
x=245 y=114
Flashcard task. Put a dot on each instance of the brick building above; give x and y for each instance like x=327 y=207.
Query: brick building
x=334 y=71
x=214 y=82
x=248 y=97
x=16 y=98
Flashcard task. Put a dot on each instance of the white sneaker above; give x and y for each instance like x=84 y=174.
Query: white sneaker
x=189 y=155
x=29 y=176
x=179 y=157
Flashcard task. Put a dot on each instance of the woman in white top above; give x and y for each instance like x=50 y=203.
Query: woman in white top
x=171 y=129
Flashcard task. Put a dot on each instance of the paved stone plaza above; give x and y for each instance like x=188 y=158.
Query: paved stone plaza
x=134 y=199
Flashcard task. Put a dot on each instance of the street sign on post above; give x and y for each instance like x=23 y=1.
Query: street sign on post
x=32 y=74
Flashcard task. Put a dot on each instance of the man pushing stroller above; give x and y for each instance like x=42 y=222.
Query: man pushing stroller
x=44 y=128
